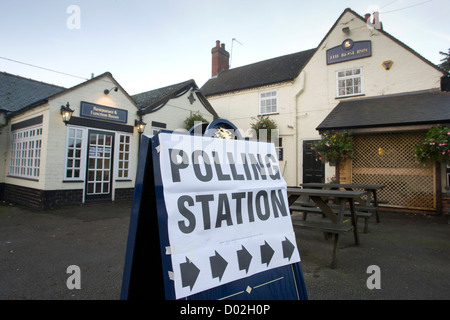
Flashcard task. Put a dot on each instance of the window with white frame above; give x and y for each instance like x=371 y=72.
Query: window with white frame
x=73 y=154
x=26 y=153
x=123 y=171
x=268 y=102
x=349 y=82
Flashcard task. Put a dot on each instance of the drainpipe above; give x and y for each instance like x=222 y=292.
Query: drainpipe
x=301 y=79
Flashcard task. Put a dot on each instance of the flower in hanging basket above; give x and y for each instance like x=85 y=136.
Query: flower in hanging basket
x=263 y=123
x=189 y=122
x=434 y=146
x=334 y=146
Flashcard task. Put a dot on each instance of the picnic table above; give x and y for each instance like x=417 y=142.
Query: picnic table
x=336 y=224
x=370 y=204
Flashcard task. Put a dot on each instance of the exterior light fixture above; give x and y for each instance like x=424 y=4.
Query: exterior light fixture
x=106 y=91
x=346 y=30
x=140 y=125
x=66 y=113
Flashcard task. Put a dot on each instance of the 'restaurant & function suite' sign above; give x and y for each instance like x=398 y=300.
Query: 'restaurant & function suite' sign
x=95 y=111
x=227 y=210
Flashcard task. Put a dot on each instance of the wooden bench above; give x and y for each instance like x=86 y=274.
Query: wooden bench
x=362 y=211
x=335 y=224
x=371 y=190
x=359 y=214
x=327 y=228
x=380 y=201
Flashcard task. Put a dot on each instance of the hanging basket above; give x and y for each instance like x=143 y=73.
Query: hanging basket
x=435 y=146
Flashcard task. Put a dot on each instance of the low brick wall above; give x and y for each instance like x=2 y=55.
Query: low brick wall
x=40 y=199
x=49 y=199
x=125 y=194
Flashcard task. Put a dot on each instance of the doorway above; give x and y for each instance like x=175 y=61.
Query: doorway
x=99 y=166
x=313 y=171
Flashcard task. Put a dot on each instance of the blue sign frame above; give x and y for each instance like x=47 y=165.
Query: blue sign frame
x=99 y=112
x=349 y=50
x=148 y=239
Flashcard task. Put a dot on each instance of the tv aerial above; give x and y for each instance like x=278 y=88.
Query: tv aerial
x=232 y=42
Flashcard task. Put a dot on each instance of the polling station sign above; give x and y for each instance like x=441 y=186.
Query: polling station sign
x=227 y=210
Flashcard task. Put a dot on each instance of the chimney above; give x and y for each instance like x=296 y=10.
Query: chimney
x=375 y=23
x=220 y=59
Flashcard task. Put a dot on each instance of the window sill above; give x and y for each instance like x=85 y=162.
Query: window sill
x=23 y=178
x=268 y=114
x=351 y=96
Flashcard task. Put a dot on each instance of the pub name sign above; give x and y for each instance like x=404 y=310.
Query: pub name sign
x=349 y=50
x=94 y=111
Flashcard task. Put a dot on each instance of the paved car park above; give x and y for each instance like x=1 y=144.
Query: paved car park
x=412 y=252
x=37 y=247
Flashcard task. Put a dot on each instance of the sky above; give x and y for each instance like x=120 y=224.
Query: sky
x=151 y=44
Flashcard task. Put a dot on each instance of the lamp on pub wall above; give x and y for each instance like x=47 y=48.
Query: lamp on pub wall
x=66 y=113
x=106 y=91
x=140 y=125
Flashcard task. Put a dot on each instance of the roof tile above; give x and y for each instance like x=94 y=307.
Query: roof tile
x=258 y=74
x=426 y=107
x=17 y=92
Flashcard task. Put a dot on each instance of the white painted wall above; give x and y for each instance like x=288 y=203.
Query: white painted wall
x=175 y=112
x=408 y=73
x=242 y=107
x=304 y=103
x=54 y=135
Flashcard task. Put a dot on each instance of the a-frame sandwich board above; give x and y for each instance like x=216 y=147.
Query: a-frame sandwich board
x=148 y=271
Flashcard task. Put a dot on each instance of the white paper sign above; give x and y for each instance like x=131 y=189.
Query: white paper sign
x=228 y=215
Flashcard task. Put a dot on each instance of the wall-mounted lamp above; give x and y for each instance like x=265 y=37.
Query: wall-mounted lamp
x=140 y=125
x=66 y=113
x=106 y=91
x=346 y=30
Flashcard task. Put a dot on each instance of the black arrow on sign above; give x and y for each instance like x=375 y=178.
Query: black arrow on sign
x=266 y=253
x=288 y=248
x=189 y=274
x=244 y=259
x=218 y=265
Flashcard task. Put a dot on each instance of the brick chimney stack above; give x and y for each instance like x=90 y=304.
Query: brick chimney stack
x=220 y=59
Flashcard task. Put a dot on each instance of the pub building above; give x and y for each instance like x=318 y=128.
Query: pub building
x=359 y=79
x=62 y=147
